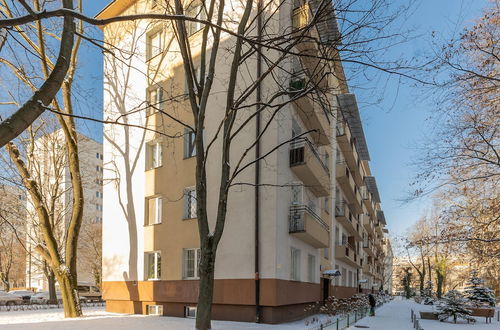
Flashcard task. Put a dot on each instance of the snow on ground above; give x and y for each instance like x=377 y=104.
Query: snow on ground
x=396 y=316
x=98 y=318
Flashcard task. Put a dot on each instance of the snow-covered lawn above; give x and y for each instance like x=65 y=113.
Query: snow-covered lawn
x=97 y=318
x=396 y=315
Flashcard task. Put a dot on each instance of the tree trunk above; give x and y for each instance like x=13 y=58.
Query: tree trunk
x=51 y=279
x=206 y=288
x=439 y=289
x=69 y=295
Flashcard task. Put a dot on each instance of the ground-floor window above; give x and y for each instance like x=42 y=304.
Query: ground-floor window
x=295 y=264
x=153 y=265
x=191 y=261
x=311 y=268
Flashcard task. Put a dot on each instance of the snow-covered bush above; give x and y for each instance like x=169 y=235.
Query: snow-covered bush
x=477 y=293
x=454 y=305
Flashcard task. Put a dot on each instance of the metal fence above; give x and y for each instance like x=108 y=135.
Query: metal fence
x=34 y=307
x=344 y=321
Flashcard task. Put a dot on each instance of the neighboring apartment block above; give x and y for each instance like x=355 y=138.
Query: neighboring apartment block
x=12 y=233
x=52 y=171
x=319 y=210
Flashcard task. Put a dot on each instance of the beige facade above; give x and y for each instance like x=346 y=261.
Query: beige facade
x=150 y=235
x=52 y=171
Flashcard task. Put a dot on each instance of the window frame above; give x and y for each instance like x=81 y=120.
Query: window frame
x=311 y=268
x=189 y=196
x=295 y=264
x=156 y=269
x=196 y=265
x=158 y=211
x=156 y=105
x=154 y=150
x=149 y=43
x=195 y=9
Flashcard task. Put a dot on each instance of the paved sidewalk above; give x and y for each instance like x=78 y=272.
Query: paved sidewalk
x=394 y=315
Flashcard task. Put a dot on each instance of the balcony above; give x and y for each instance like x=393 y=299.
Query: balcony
x=307 y=41
x=348 y=148
x=308 y=226
x=346 y=181
x=311 y=111
x=348 y=255
x=368 y=247
x=344 y=216
x=307 y=165
x=368 y=269
x=368 y=224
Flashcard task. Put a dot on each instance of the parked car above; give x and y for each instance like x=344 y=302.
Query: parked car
x=25 y=294
x=9 y=299
x=88 y=292
x=42 y=297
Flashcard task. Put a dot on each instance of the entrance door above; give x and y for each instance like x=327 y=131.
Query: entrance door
x=326 y=288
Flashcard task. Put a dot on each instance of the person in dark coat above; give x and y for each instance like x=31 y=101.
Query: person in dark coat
x=372 y=302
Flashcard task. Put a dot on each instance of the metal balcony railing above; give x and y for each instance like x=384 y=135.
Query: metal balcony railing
x=297 y=153
x=297 y=221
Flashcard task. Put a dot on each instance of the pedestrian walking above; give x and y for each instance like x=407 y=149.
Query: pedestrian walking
x=371 y=300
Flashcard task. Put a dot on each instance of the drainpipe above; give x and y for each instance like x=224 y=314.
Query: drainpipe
x=257 y=167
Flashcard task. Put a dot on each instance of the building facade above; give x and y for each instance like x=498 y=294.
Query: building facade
x=51 y=170
x=319 y=209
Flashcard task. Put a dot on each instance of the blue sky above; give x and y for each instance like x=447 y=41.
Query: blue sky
x=393 y=127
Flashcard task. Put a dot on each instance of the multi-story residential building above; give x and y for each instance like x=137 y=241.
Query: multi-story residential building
x=12 y=230
x=50 y=166
x=388 y=265
x=318 y=209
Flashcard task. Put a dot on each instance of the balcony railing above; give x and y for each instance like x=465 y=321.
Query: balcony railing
x=300 y=16
x=306 y=225
x=297 y=153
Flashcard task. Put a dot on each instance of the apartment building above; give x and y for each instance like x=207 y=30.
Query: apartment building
x=50 y=166
x=12 y=228
x=318 y=208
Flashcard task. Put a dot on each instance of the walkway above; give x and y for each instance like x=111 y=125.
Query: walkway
x=393 y=315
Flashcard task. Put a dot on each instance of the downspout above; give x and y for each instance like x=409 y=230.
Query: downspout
x=257 y=165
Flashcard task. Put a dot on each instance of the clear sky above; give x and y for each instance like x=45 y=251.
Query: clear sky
x=393 y=127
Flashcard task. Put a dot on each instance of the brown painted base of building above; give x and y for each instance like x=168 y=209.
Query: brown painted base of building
x=234 y=299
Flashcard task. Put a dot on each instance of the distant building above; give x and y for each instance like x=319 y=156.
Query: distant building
x=12 y=234
x=52 y=168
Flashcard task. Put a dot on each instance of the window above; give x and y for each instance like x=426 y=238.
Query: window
x=297 y=190
x=190 y=204
x=98 y=220
x=189 y=146
x=344 y=277
x=295 y=264
x=190 y=312
x=327 y=205
x=154 y=44
x=191 y=261
x=98 y=207
x=155 y=210
x=196 y=10
x=155 y=100
x=326 y=253
x=197 y=75
x=153 y=262
x=337 y=235
x=350 y=278
x=296 y=129
x=97 y=155
x=97 y=194
x=311 y=268
x=154 y=155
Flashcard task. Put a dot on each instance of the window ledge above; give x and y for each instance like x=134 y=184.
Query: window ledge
x=192 y=218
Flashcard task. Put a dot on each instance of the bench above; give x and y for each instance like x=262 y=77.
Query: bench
x=428 y=315
x=488 y=313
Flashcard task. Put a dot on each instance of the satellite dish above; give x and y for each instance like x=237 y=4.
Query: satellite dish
x=332 y=272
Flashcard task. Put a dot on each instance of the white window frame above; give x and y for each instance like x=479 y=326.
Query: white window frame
x=150 y=53
x=294 y=264
x=155 y=100
x=158 y=210
x=154 y=155
x=311 y=268
x=190 y=203
x=195 y=9
x=156 y=263
x=196 y=260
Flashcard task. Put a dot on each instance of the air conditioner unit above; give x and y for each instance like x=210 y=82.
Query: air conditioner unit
x=155 y=310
